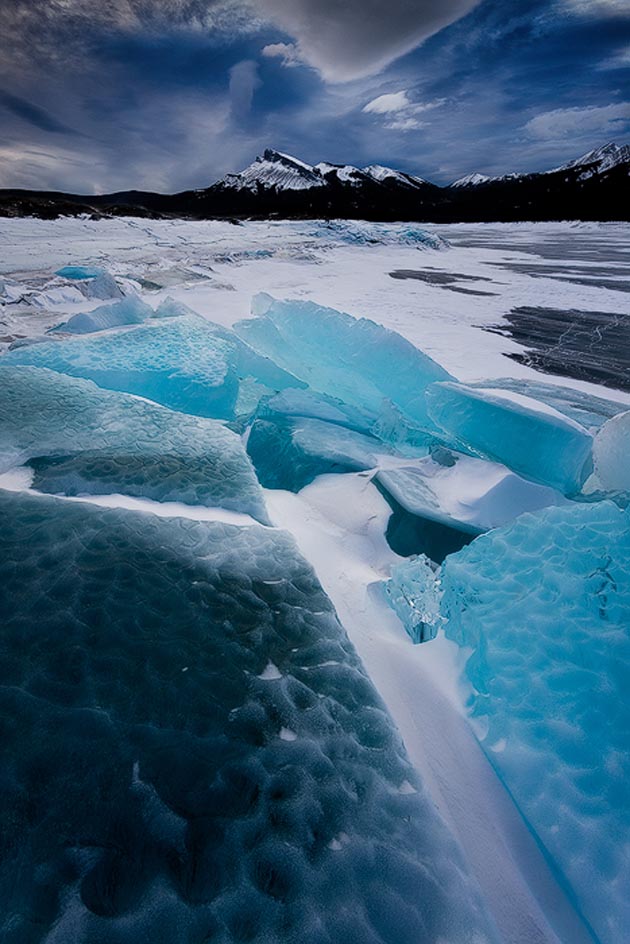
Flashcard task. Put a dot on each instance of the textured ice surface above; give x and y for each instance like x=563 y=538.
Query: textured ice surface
x=544 y=607
x=192 y=750
x=528 y=436
x=79 y=272
x=356 y=361
x=81 y=439
x=183 y=363
x=129 y=311
x=611 y=456
x=289 y=452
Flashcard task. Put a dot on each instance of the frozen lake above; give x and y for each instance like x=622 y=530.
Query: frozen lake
x=260 y=509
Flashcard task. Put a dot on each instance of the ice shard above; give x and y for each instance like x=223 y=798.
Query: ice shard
x=354 y=360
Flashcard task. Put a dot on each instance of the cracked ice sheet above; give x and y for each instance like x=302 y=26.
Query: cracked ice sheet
x=339 y=524
x=354 y=279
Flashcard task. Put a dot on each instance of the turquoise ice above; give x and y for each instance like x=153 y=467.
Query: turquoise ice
x=192 y=750
x=353 y=360
x=183 y=363
x=524 y=434
x=81 y=439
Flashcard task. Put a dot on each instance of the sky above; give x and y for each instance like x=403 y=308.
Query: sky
x=104 y=95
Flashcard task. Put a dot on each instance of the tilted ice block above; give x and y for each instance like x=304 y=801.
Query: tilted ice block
x=81 y=439
x=184 y=363
x=585 y=408
x=611 y=456
x=289 y=452
x=130 y=311
x=356 y=361
x=544 y=606
x=192 y=750
x=524 y=434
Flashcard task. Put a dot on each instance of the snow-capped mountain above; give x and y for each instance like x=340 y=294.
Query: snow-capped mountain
x=474 y=180
x=471 y=180
x=274 y=171
x=386 y=174
x=598 y=161
x=278 y=171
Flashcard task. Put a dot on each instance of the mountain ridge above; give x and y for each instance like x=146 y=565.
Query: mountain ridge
x=278 y=185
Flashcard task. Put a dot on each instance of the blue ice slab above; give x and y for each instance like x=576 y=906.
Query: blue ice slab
x=129 y=311
x=289 y=452
x=522 y=433
x=192 y=750
x=544 y=607
x=183 y=363
x=81 y=439
x=356 y=361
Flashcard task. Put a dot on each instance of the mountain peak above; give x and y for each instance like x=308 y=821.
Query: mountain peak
x=599 y=159
x=471 y=180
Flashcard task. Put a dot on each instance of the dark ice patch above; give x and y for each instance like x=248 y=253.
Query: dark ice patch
x=586 y=345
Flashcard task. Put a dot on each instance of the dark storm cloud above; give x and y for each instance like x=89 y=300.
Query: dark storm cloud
x=33 y=114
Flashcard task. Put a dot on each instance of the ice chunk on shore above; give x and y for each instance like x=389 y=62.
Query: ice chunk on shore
x=81 y=439
x=130 y=311
x=524 y=434
x=544 y=607
x=166 y=801
x=183 y=363
x=356 y=361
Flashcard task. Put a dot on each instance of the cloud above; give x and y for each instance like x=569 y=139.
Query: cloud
x=598 y=8
x=244 y=80
x=401 y=112
x=357 y=38
x=33 y=114
x=603 y=120
x=392 y=101
x=286 y=52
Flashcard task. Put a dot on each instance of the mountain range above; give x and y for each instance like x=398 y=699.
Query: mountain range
x=595 y=186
